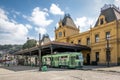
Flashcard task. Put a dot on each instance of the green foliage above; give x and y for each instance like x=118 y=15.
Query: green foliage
x=14 y=48
x=10 y=48
x=30 y=43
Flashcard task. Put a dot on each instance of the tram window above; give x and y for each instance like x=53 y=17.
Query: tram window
x=80 y=57
x=77 y=57
x=63 y=57
x=48 y=59
x=45 y=59
x=56 y=58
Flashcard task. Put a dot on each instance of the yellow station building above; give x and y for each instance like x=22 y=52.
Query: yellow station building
x=103 y=38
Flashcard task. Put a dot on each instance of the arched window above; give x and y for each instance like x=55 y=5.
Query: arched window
x=72 y=42
x=60 y=34
x=56 y=36
x=102 y=20
x=97 y=38
x=88 y=41
x=64 y=33
x=79 y=41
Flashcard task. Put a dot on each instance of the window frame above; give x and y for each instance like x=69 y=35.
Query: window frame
x=88 y=41
x=97 y=38
x=79 y=41
x=107 y=36
x=101 y=21
x=60 y=34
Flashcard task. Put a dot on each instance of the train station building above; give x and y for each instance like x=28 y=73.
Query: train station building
x=100 y=45
x=103 y=38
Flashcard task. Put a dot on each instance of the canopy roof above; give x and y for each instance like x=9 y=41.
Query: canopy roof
x=53 y=46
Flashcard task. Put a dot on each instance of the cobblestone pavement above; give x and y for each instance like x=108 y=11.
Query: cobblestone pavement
x=32 y=73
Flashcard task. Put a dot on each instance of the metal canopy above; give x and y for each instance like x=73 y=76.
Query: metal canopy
x=53 y=46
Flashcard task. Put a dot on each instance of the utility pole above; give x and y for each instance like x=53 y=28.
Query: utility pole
x=108 y=53
x=28 y=49
x=40 y=62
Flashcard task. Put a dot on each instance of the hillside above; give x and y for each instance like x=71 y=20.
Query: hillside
x=10 y=48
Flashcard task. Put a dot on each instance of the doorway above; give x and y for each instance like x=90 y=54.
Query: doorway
x=97 y=57
x=88 y=59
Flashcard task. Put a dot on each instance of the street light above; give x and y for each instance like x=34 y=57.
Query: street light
x=108 y=53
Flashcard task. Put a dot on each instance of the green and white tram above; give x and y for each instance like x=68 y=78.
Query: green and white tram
x=66 y=59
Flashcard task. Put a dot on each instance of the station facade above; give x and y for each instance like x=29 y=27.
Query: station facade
x=103 y=38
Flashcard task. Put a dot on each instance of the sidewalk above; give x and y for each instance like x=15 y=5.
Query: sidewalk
x=103 y=68
x=110 y=69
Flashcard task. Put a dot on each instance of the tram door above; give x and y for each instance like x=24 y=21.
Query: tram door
x=72 y=60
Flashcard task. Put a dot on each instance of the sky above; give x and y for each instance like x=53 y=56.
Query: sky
x=20 y=19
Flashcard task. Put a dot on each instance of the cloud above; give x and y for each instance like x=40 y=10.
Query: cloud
x=54 y=9
x=39 y=17
x=41 y=30
x=57 y=25
x=52 y=38
x=2 y=14
x=12 y=32
x=28 y=26
x=45 y=9
x=16 y=12
x=84 y=23
x=117 y=2
x=25 y=17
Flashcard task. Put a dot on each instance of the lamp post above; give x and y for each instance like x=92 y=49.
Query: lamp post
x=40 y=64
x=108 y=53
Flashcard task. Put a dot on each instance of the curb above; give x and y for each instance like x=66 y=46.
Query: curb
x=107 y=71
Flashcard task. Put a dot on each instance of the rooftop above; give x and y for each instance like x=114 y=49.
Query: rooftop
x=56 y=46
x=106 y=6
x=67 y=21
x=111 y=13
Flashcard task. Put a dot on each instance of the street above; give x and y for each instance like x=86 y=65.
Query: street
x=32 y=73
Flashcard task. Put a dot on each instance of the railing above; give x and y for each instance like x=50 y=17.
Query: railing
x=106 y=6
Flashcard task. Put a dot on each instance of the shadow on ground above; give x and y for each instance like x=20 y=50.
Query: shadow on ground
x=18 y=68
x=30 y=68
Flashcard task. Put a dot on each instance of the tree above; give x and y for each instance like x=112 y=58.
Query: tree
x=30 y=43
x=10 y=48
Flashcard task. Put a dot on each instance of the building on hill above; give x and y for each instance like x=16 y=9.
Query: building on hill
x=103 y=38
x=45 y=39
